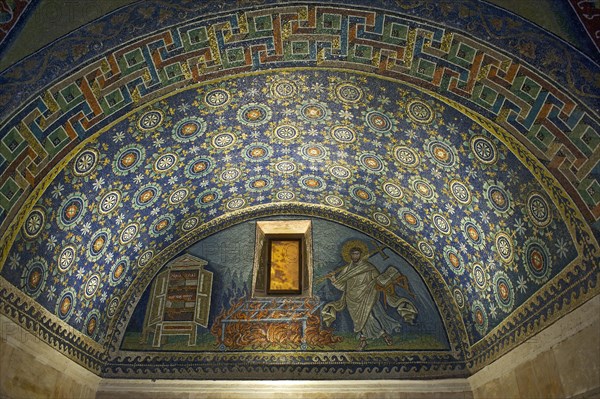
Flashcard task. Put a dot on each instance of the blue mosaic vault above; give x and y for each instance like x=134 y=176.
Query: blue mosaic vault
x=400 y=129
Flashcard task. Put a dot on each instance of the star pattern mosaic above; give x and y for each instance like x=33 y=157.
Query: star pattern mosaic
x=380 y=150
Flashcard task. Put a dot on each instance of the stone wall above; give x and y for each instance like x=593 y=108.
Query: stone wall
x=563 y=361
x=31 y=369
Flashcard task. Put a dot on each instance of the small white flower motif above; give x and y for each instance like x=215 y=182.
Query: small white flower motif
x=168 y=237
x=212 y=212
x=377 y=144
x=173 y=180
x=317 y=87
x=255 y=134
x=411 y=133
x=450 y=209
x=138 y=179
x=471 y=172
x=185 y=210
x=258 y=169
x=51 y=293
x=227 y=158
x=345 y=114
x=78 y=316
x=86 y=228
x=445 y=271
x=436 y=173
x=470 y=289
x=519 y=225
x=485 y=217
x=158 y=142
x=260 y=198
x=128 y=281
x=342 y=154
x=194 y=149
x=109 y=257
x=183 y=107
x=57 y=191
x=521 y=285
x=120 y=218
x=462 y=247
x=155 y=211
x=383 y=100
x=204 y=183
x=103 y=297
x=98 y=183
x=220 y=120
x=358 y=208
x=288 y=112
x=80 y=274
x=138 y=247
x=286 y=150
x=119 y=136
x=313 y=132
x=14 y=261
x=233 y=190
x=51 y=244
x=452 y=128
x=493 y=310
x=562 y=247
x=253 y=92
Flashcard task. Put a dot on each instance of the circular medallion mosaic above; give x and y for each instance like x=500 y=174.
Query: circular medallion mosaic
x=128 y=159
x=165 y=162
x=189 y=224
x=459 y=298
x=503 y=291
x=178 y=196
x=334 y=200
x=150 y=120
x=313 y=152
x=372 y=163
x=312 y=183
x=479 y=276
x=235 y=203
x=145 y=258
x=410 y=219
x=537 y=260
x=223 y=141
x=254 y=114
x=66 y=304
x=406 y=156
x=480 y=317
x=91 y=323
x=286 y=132
x=340 y=172
x=285 y=195
x=209 y=197
x=230 y=175
x=504 y=247
x=109 y=202
x=128 y=233
x=382 y=219
x=34 y=223
x=484 y=150
x=146 y=196
x=98 y=244
x=199 y=167
x=426 y=249
x=86 y=162
x=348 y=93
x=442 y=153
x=497 y=197
x=217 y=98
x=461 y=192
x=112 y=307
x=454 y=260
x=538 y=210
x=118 y=270
x=393 y=190
x=362 y=194
x=285 y=167
x=259 y=183
x=34 y=275
x=91 y=286
x=257 y=152
x=67 y=258
x=188 y=129
x=343 y=134
x=473 y=233
x=423 y=189
x=283 y=88
x=313 y=112
x=71 y=211
x=419 y=111
x=161 y=225
x=379 y=122
x=441 y=224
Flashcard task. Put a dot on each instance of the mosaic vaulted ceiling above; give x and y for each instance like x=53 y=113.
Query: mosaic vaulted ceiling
x=470 y=149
